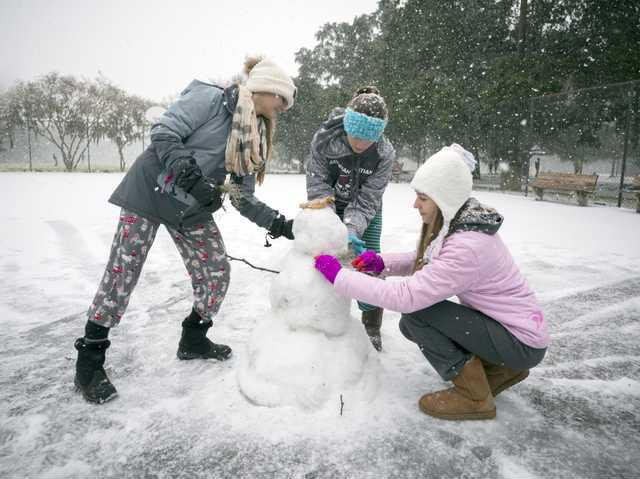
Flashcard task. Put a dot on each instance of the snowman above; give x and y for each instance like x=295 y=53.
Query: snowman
x=309 y=352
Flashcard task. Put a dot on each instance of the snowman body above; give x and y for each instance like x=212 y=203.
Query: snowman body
x=308 y=349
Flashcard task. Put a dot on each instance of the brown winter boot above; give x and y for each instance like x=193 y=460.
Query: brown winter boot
x=372 y=320
x=470 y=398
x=502 y=377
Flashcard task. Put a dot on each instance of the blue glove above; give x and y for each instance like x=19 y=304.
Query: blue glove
x=357 y=245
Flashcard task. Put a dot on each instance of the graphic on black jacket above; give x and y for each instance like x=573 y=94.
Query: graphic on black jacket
x=343 y=187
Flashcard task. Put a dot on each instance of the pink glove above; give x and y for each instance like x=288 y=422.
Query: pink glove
x=369 y=261
x=328 y=266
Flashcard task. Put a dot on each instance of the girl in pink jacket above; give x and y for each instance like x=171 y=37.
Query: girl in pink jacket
x=489 y=341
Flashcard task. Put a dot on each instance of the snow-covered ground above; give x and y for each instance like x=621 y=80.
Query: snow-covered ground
x=577 y=415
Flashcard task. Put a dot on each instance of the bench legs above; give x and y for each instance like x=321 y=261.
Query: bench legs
x=583 y=198
x=539 y=192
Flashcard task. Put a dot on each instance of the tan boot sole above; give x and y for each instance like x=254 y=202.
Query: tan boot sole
x=480 y=415
x=511 y=382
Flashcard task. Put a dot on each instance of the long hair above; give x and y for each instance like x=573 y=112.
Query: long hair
x=270 y=123
x=427 y=235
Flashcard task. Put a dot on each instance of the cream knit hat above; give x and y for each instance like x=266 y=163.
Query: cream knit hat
x=267 y=77
x=446 y=178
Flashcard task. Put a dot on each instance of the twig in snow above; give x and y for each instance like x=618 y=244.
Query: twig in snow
x=253 y=266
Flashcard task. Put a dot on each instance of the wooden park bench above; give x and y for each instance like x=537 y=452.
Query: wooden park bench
x=582 y=185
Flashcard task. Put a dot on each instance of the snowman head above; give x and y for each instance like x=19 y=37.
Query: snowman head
x=318 y=230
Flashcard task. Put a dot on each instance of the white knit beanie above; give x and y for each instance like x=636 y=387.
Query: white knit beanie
x=267 y=77
x=446 y=178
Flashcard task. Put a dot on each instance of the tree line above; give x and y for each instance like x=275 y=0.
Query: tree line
x=470 y=70
x=501 y=77
x=71 y=114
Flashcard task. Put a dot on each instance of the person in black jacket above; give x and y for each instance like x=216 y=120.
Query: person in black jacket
x=352 y=160
x=208 y=134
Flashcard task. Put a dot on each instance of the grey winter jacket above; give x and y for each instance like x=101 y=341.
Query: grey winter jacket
x=197 y=125
x=357 y=181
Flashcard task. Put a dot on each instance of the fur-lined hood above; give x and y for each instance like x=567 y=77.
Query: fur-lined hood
x=474 y=216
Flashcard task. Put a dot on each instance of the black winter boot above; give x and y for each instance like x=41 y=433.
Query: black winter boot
x=91 y=379
x=372 y=320
x=194 y=343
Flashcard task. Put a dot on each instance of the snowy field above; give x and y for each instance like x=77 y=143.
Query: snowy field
x=578 y=415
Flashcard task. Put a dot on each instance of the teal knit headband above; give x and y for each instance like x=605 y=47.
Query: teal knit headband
x=362 y=126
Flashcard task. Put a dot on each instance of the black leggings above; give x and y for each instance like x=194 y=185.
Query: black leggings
x=449 y=334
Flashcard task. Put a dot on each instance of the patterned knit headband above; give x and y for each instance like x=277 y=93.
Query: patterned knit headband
x=363 y=126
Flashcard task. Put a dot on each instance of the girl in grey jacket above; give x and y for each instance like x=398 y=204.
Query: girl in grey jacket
x=209 y=133
x=352 y=161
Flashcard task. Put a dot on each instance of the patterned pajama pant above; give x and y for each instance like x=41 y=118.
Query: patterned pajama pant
x=203 y=253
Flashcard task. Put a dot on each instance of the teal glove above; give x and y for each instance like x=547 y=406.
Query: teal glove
x=357 y=245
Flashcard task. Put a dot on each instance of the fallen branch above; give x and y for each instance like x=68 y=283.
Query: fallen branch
x=253 y=266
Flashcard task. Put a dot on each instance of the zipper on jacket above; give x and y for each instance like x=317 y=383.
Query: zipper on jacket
x=356 y=181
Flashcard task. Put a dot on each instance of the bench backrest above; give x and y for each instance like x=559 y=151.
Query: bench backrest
x=636 y=181
x=566 y=181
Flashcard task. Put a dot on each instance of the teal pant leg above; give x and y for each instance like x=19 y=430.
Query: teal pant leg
x=371 y=238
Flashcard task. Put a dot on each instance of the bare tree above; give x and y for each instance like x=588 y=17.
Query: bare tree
x=9 y=118
x=122 y=117
x=4 y=124
x=54 y=107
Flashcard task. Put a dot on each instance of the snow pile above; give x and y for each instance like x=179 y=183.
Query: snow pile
x=308 y=349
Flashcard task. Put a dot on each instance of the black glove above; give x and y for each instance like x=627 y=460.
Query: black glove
x=207 y=194
x=281 y=227
x=186 y=172
x=189 y=178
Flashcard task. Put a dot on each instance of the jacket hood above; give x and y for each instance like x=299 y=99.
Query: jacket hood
x=474 y=216
x=231 y=98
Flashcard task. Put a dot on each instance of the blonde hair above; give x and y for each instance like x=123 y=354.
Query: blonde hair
x=270 y=123
x=427 y=235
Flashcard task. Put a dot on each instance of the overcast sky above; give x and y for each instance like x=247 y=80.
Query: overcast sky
x=155 y=48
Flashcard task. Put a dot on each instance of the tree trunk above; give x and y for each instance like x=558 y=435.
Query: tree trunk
x=66 y=161
x=511 y=180
x=88 y=148
x=476 y=170
x=123 y=164
x=635 y=128
x=416 y=152
x=29 y=143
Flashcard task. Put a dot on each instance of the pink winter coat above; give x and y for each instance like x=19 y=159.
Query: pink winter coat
x=475 y=267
